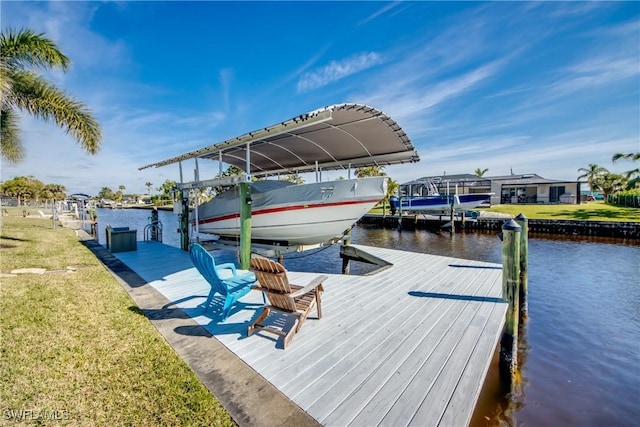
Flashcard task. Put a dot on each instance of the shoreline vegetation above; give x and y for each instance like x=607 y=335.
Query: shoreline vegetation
x=76 y=348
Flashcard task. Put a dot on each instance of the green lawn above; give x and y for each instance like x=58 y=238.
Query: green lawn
x=74 y=345
x=595 y=211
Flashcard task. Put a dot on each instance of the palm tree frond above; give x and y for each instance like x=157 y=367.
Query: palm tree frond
x=6 y=82
x=38 y=97
x=24 y=48
x=634 y=157
x=11 y=146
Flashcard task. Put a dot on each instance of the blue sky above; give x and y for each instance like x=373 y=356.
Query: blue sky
x=541 y=88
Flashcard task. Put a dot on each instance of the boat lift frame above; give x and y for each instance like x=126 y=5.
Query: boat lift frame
x=336 y=137
x=245 y=245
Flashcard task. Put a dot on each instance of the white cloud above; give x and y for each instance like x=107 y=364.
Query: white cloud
x=383 y=10
x=408 y=101
x=337 y=70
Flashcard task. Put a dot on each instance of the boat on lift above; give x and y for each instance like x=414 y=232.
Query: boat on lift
x=283 y=213
x=424 y=197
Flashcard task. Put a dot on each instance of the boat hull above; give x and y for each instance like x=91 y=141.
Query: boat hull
x=296 y=214
x=440 y=203
x=473 y=200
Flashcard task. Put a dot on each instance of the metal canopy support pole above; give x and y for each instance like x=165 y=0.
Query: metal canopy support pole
x=245 y=216
x=180 y=167
x=220 y=163
x=452 y=214
x=316 y=171
x=196 y=192
x=349 y=172
x=245 y=225
x=400 y=209
x=247 y=160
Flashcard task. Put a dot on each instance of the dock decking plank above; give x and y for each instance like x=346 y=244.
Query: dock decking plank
x=474 y=374
x=408 y=345
x=431 y=410
x=420 y=365
x=410 y=316
x=380 y=362
x=363 y=324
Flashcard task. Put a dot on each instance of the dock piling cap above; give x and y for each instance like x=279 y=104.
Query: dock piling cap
x=511 y=225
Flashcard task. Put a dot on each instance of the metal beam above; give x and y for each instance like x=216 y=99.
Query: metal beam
x=224 y=181
x=300 y=122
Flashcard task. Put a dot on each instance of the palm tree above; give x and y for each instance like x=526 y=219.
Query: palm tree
x=592 y=173
x=24 y=90
x=120 y=193
x=634 y=157
x=481 y=172
x=610 y=183
x=148 y=185
x=53 y=192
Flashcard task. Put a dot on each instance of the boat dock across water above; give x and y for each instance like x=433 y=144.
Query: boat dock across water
x=408 y=345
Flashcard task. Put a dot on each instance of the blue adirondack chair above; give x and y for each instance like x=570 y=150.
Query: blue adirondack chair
x=231 y=287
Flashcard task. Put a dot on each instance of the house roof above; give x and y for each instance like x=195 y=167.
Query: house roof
x=468 y=179
x=334 y=137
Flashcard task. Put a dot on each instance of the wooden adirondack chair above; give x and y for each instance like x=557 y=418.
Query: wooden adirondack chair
x=284 y=297
x=231 y=287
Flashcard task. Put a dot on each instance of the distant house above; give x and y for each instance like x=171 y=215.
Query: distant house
x=8 y=201
x=144 y=199
x=509 y=189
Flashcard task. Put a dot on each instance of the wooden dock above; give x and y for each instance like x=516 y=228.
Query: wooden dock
x=410 y=345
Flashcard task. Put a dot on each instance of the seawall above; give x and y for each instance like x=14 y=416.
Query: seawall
x=625 y=230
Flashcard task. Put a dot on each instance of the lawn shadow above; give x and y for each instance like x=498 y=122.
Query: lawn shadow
x=588 y=214
x=15 y=239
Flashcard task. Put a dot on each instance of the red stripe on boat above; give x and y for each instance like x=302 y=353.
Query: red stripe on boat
x=285 y=208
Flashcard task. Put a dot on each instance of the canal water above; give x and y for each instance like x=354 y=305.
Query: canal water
x=580 y=356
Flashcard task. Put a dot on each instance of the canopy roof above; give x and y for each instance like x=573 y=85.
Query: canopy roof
x=336 y=137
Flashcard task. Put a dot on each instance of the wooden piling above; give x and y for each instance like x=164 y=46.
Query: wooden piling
x=399 y=212
x=184 y=222
x=523 y=222
x=346 y=241
x=511 y=232
x=245 y=225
